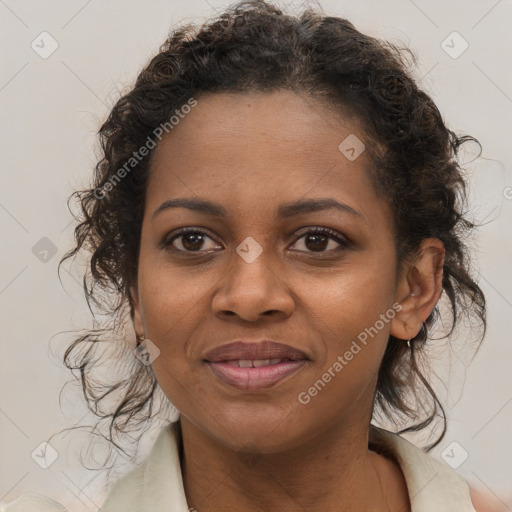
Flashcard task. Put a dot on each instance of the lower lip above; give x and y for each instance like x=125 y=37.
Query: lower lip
x=253 y=379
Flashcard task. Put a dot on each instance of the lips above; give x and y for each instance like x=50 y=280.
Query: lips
x=254 y=351
x=253 y=366
x=254 y=363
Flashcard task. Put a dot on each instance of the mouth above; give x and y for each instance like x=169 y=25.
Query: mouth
x=254 y=366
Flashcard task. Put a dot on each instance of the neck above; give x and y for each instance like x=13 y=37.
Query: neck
x=334 y=471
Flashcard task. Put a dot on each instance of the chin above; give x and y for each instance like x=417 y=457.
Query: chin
x=256 y=431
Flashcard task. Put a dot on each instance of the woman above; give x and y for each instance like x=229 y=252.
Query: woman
x=279 y=210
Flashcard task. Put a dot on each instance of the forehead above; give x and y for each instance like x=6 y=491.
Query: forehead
x=253 y=148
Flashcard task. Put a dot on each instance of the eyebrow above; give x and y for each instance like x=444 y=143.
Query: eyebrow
x=285 y=210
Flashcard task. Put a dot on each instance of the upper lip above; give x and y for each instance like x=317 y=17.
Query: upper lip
x=250 y=350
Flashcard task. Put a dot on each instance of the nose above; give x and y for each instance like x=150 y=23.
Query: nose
x=252 y=290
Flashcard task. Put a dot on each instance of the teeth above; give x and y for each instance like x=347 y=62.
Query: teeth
x=260 y=362
x=256 y=363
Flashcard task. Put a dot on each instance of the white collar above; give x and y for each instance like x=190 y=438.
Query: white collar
x=156 y=485
x=432 y=485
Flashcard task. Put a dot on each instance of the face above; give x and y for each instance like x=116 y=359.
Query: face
x=313 y=278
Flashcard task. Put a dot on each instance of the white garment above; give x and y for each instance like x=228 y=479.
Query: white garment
x=156 y=485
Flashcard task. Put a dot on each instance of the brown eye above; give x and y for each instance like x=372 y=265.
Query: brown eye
x=188 y=240
x=318 y=240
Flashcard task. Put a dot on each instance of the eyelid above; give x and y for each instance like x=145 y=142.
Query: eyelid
x=331 y=233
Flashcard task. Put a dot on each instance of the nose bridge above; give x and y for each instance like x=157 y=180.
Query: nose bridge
x=253 y=284
x=253 y=262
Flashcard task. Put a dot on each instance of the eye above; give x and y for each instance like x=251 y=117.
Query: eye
x=192 y=240
x=318 y=240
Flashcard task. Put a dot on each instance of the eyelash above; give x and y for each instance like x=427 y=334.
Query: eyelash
x=333 y=235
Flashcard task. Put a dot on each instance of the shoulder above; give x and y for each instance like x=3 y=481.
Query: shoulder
x=156 y=483
x=431 y=484
x=33 y=502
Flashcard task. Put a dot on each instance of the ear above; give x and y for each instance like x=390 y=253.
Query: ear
x=136 y=313
x=418 y=289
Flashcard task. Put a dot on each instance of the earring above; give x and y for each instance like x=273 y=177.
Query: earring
x=409 y=343
x=140 y=339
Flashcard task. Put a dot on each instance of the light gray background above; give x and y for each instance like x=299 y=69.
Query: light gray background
x=50 y=110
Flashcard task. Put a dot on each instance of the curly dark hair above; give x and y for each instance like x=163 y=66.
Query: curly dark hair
x=255 y=46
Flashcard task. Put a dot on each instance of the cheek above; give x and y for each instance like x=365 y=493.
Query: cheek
x=352 y=312
x=171 y=296
x=173 y=306
x=351 y=299
x=354 y=340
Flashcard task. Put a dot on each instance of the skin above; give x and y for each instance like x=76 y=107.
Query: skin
x=263 y=450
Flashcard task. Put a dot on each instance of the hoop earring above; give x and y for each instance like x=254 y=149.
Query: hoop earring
x=409 y=343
